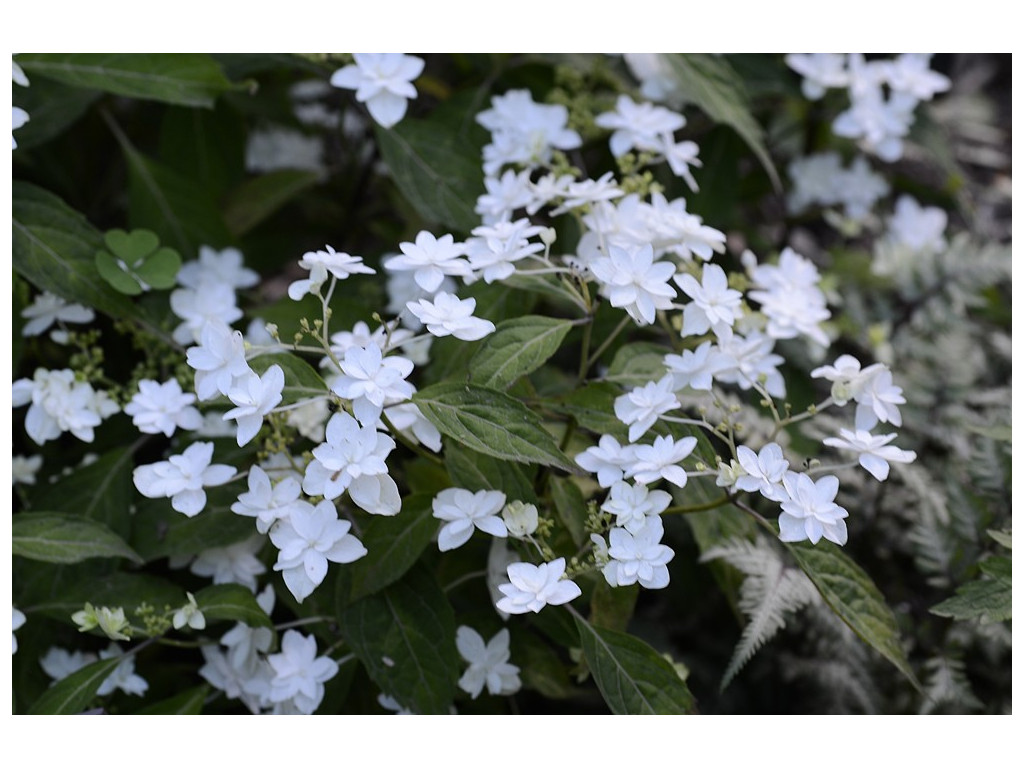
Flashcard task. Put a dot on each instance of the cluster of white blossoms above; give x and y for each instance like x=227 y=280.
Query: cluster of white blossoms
x=821 y=180
x=58 y=402
x=883 y=94
x=382 y=81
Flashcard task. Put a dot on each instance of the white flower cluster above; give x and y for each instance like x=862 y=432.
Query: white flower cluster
x=883 y=94
x=58 y=402
x=820 y=179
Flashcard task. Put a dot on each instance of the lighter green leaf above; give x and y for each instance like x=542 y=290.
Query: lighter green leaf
x=190 y=79
x=58 y=538
x=491 y=423
x=517 y=347
x=854 y=598
x=73 y=694
x=405 y=637
x=632 y=677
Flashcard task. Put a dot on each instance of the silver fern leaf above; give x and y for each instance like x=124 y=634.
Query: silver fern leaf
x=770 y=591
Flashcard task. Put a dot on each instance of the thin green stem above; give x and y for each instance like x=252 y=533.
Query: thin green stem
x=463 y=579
x=607 y=342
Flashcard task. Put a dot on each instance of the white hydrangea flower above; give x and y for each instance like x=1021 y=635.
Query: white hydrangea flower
x=162 y=408
x=877 y=400
x=875 y=451
x=17 y=622
x=531 y=587
x=488 y=663
x=790 y=297
x=848 y=380
x=266 y=502
x=226 y=267
x=123 y=677
x=631 y=279
x=372 y=381
x=254 y=397
x=218 y=360
x=210 y=302
x=661 y=460
x=764 y=471
x=608 y=459
x=638 y=556
x=18 y=119
x=382 y=81
x=58 y=663
x=523 y=131
x=410 y=421
x=918 y=228
x=299 y=674
x=59 y=403
x=713 y=303
x=353 y=459
x=189 y=615
x=307 y=540
x=431 y=259
x=505 y=195
x=633 y=504
x=820 y=72
x=910 y=74
x=182 y=478
x=323 y=263
x=810 y=511
x=48 y=308
x=696 y=368
x=495 y=249
x=521 y=519
x=24 y=468
x=463 y=511
x=448 y=315
x=234 y=564
x=641 y=126
x=640 y=407
x=749 y=358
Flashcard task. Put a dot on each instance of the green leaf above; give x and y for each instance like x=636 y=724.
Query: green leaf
x=232 y=602
x=57 y=538
x=405 y=637
x=988 y=599
x=637 y=364
x=490 y=422
x=436 y=171
x=52 y=108
x=190 y=79
x=477 y=472
x=188 y=702
x=136 y=263
x=393 y=545
x=854 y=598
x=571 y=507
x=102 y=491
x=712 y=84
x=593 y=407
x=74 y=693
x=127 y=590
x=159 y=531
x=256 y=199
x=55 y=248
x=632 y=677
x=517 y=347
x=612 y=607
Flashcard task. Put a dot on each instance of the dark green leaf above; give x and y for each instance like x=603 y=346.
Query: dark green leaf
x=712 y=84
x=477 y=472
x=593 y=407
x=52 y=108
x=491 y=423
x=101 y=491
x=405 y=637
x=571 y=507
x=516 y=348
x=853 y=596
x=55 y=249
x=159 y=531
x=232 y=602
x=74 y=693
x=393 y=545
x=438 y=173
x=121 y=589
x=191 y=79
x=257 y=199
x=188 y=702
x=58 y=538
x=632 y=677
x=637 y=364
x=612 y=607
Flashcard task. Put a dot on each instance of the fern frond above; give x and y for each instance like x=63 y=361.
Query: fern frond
x=770 y=592
x=947 y=684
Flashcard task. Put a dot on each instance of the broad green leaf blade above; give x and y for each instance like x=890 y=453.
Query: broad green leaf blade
x=74 y=693
x=490 y=422
x=393 y=545
x=477 y=472
x=55 y=248
x=989 y=599
x=188 y=702
x=405 y=637
x=101 y=491
x=571 y=507
x=257 y=199
x=593 y=407
x=233 y=602
x=516 y=348
x=121 y=589
x=436 y=171
x=612 y=607
x=58 y=538
x=632 y=677
x=52 y=108
x=712 y=84
x=189 y=79
x=854 y=598
x=159 y=531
